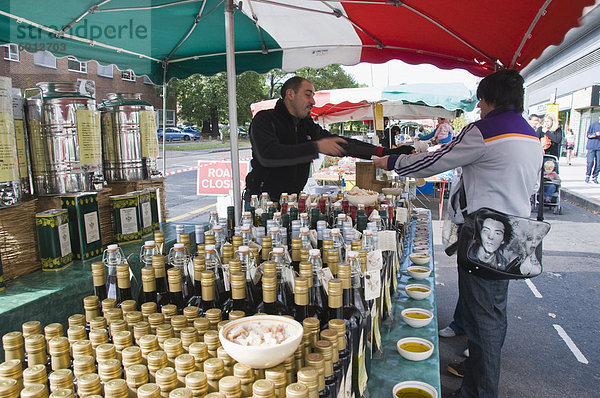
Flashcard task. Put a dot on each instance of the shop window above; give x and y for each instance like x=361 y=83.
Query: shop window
x=75 y=66
x=128 y=75
x=105 y=71
x=11 y=52
x=45 y=59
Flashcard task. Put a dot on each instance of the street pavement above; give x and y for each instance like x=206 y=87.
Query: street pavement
x=552 y=343
x=574 y=186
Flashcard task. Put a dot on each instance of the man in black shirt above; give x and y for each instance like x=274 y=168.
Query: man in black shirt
x=285 y=140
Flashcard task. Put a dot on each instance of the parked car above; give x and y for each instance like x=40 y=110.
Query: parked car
x=176 y=134
x=190 y=129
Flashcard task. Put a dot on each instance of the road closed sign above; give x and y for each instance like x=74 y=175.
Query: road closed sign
x=214 y=178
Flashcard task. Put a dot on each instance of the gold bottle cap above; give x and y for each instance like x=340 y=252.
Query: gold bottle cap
x=13 y=341
x=306 y=271
x=196 y=380
x=98 y=322
x=221 y=324
x=109 y=369
x=237 y=314
x=122 y=339
x=325 y=348
x=173 y=347
x=269 y=267
x=118 y=325
x=327 y=244
x=214 y=368
x=300 y=291
x=335 y=293
x=106 y=351
x=215 y=394
x=157 y=359
x=148 y=342
x=148 y=279
x=98 y=274
x=311 y=324
x=191 y=312
x=113 y=314
x=230 y=385
x=35 y=342
x=263 y=388
x=211 y=338
x=235 y=265
x=148 y=308
x=199 y=350
x=332 y=337
x=34 y=391
x=11 y=369
x=276 y=375
x=155 y=319
x=82 y=347
x=296 y=390
x=168 y=311
x=185 y=363
x=128 y=306
x=137 y=374
x=202 y=325
x=76 y=320
x=356 y=245
x=309 y=376
x=343 y=273
x=316 y=361
x=63 y=393
x=159 y=235
x=188 y=336
x=208 y=285
x=35 y=374
x=214 y=316
x=166 y=375
x=199 y=266
x=123 y=276
x=269 y=286
x=158 y=264
x=108 y=303
x=35 y=327
x=116 y=388
x=53 y=330
x=61 y=377
x=339 y=326
x=141 y=329
x=181 y=393
x=9 y=388
x=84 y=364
x=133 y=317
x=98 y=336
x=179 y=322
x=131 y=355
x=149 y=390
x=58 y=345
x=243 y=371
x=174 y=278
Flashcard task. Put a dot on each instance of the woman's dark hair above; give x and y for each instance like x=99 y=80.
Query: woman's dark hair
x=292 y=83
x=503 y=90
x=485 y=214
x=395 y=129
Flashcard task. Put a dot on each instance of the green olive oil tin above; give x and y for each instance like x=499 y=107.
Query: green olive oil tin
x=145 y=211
x=54 y=239
x=84 y=224
x=126 y=221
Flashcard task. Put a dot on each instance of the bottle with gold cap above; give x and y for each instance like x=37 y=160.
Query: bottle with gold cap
x=179 y=257
x=209 y=299
x=112 y=256
x=238 y=300
x=160 y=274
x=99 y=280
x=317 y=296
x=316 y=361
x=333 y=385
x=300 y=298
x=148 y=292
x=13 y=344
x=12 y=370
x=166 y=378
x=116 y=388
x=277 y=376
x=150 y=390
x=231 y=387
x=246 y=376
x=213 y=263
x=338 y=367
x=309 y=377
x=123 y=284
x=35 y=391
x=249 y=268
x=197 y=383
x=272 y=301
x=176 y=293
x=335 y=300
x=214 y=371
x=89 y=385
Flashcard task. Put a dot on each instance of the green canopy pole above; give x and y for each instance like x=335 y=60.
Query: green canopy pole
x=232 y=101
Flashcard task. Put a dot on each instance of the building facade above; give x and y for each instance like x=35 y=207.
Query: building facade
x=27 y=69
x=569 y=75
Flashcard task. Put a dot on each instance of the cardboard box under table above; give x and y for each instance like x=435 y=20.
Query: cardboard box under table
x=84 y=223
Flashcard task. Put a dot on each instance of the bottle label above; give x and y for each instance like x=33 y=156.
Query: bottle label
x=348 y=378
x=402 y=215
x=129 y=223
x=325 y=276
x=387 y=297
x=92 y=230
x=387 y=240
x=312 y=235
x=372 y=284
x=363 y=377
x=64 y=239
x=376 y=331
x=374 y=260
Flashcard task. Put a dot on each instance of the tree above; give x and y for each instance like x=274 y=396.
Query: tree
x=275 y=79
x=328 y=78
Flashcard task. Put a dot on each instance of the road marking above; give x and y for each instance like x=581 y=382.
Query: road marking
x=191 y=213
x=578 y=354
x=532 y=287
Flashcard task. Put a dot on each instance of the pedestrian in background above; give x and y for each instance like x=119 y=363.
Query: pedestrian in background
x=553 y=133
x=569 y=145
x=593 y=152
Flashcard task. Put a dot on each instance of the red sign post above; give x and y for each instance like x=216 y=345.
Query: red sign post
x=214 y=178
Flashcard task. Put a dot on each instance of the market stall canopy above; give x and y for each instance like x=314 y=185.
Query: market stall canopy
x=188 y=36
x=340 y=105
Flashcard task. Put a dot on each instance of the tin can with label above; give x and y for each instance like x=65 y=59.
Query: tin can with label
x=54 y=239
x=126 y=221
x=84 y=224
x=145 y=211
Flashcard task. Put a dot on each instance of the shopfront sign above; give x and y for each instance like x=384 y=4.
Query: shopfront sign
x=214 y=178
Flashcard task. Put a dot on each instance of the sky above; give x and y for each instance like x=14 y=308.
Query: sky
x=398 y=72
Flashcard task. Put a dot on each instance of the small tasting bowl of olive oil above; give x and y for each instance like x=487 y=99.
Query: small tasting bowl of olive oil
x=417 y=317
x=417 y=291
x=414 y=348
x=414 y=389
x=418 y=271
x=419 y=259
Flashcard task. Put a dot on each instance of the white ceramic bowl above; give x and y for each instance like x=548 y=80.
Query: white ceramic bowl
x=419 y=259
x=366 y=200
x=262 y=357
x=418 y=271
x=424 y=252
x=424 y=348
x=417 y=291
x=425 y=317
x=414 y=384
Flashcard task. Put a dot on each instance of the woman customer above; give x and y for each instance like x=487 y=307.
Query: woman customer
x=553 y=133
x=570 y=145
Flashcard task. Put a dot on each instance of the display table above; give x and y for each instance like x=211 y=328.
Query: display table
x=53 y=296
x=393 y=368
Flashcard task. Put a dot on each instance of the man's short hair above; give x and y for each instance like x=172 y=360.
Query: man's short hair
x=395 y=129
x=533 y=115
x=503 y=89
x=292 y=83
x=508 y=230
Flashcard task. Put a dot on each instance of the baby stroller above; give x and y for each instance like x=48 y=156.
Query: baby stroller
x=551 y=188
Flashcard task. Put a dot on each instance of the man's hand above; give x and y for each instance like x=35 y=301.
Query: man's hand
x=380 y=163
x=331 y=146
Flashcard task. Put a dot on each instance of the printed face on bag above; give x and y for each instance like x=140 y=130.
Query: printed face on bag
x=492 y=235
